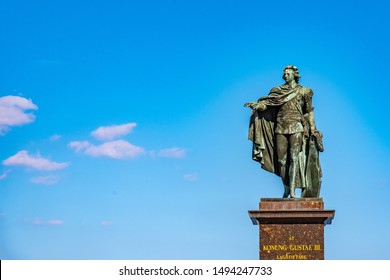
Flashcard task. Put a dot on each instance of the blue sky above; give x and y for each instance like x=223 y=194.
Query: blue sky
x=124 y=135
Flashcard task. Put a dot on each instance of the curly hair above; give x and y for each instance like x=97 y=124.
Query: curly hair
x=296 y=72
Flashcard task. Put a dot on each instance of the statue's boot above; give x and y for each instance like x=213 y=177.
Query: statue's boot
x=292 y=192
x=293 y=169
x=304 y=192
x=286 y=191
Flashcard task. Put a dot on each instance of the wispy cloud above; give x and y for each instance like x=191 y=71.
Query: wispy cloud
x=23 y=158
x=4 y=175
x=106 y=223
x=13 y=112
x=382 y=182
x=119 y=149
x=191 y=177
x=79 y=145
x=172 y=153
x=49 y=222
x=55 y=137
x=55 y=222
x=45 y=180
x=106 y=133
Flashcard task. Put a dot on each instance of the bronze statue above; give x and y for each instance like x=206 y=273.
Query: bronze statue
x=284 y=135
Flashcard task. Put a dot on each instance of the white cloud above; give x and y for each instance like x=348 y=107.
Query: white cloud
x=55 y=137
x=23 y=158
x=172 y=153
x=45 y=180
x=191 y=177
x=13 y=112
x=119 y=149
x=112 y=132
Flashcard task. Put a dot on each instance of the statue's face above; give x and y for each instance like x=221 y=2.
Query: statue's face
x=289 y=75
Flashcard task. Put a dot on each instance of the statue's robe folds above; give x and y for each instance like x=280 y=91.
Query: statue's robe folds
x=262 y=134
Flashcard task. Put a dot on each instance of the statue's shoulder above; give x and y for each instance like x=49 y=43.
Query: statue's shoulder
x=307 y=92
x=277 y=90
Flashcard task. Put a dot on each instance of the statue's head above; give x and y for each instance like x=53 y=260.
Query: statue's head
x=294 y=70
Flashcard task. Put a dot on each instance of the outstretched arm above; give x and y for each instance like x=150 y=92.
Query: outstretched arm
x=256 y=105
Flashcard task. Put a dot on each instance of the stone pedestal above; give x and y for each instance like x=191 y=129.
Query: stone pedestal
x=291 y=228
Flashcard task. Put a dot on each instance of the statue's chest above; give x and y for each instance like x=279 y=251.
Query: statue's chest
x=294 y=104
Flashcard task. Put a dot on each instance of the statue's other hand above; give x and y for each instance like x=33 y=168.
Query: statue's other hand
x=318 y=136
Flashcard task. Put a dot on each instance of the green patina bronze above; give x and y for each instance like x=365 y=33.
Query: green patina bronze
x=284 y=135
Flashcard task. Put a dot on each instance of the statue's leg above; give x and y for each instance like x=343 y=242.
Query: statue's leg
x=281 y=152
x=295 y=141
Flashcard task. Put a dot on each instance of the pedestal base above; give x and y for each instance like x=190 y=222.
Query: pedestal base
x=291 y=228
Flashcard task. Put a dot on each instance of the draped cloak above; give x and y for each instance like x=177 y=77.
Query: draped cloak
x=262 y=134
